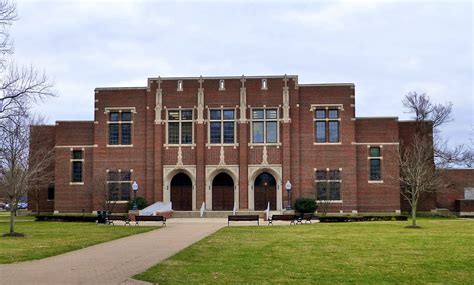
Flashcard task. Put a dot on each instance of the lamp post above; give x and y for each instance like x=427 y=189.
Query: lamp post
x=135 y=190
x=288 y=189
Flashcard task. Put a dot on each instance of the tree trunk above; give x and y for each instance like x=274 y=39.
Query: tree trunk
x=12 y=220
x=413 y=215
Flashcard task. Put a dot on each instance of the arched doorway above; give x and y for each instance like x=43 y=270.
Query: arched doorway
x=222 y=192
x=264 y=192
x=181 y=192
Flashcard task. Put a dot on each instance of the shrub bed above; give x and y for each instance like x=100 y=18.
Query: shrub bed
x=342 y=219
x=65 y=218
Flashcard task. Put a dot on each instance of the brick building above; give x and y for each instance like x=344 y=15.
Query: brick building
x=226 y=141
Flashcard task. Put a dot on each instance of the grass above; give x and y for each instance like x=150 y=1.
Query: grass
x=5 y=217
x=441 y=252
x=44 y=239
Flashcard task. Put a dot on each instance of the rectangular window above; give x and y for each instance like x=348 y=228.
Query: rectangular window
x=327 y=125
x=51 y=192
x=76 y=166
x=120 y=127
x=222 y=126
x=375 y=159
x=328 y=185
x=180 y=126
x=119 y=185
x=265 y=126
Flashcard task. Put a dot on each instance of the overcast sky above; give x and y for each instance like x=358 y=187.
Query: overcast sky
x=386 y=48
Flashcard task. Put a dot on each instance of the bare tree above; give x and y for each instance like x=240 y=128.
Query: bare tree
x=424 y=155
x=19 y=86
x=104 y=193
x=22 y=169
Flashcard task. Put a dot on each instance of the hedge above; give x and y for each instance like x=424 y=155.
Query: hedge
x=65 y=218
x=342 y=219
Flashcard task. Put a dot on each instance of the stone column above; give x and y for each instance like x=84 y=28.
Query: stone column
x=243 y=145
x=200 y=147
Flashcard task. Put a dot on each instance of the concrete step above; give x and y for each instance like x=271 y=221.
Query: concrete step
x=218 y=214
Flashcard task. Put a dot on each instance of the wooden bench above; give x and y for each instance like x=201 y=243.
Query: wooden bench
x=112 y=218
x=291 y=218
x=306 y=217
x=238 y=218
x=150 y=219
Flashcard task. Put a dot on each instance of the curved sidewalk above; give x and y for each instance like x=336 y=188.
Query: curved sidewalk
x=112 y=262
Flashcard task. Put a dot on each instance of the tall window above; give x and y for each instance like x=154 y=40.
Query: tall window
x=264 y=126
x=375 y=159
x=328 y=185
x=222 y=126
x=326 y=125
x=119 y=185
x=77 y=160
x=120 y=127
x=180 y=126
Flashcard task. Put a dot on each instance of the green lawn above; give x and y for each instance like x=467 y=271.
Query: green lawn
x=5 y=217
x=362 y=253
x=45 y=239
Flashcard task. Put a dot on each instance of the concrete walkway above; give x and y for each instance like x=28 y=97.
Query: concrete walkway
x=113 y=262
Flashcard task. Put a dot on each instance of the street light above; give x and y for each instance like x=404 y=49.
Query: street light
x=288 y=189
x=135 y=190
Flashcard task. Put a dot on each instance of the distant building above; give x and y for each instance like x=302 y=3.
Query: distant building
x=227 y=141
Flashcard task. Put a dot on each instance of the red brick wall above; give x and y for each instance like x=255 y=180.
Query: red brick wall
x=456 y=180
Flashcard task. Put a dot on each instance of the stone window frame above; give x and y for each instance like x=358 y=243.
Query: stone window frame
x=72 y=160
x=133 y=111
x=370 y=158
x=209 y=121
x=327 y=107
x=119 y=171
x=264 y=120
x=327 y=170
x=193 y=143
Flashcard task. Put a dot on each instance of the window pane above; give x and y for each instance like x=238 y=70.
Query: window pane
x=186 y=133
x=187 y=115
x=113 y=134
x=113 y=192
x=125 y=176
x=114 y=116
x=374 y=152
x=173 y=133
x=215 y=134
x=228 y=132
x=321 y=191
x=77 y=154
x=375 y=169
x=173 y=115
x=320 y=114
x=125 y=191
x=77 y=171
x=51 y=192
x=228 y=114
x=257 y=132
x=113 y=176
x=215 y=114
x=334 y=175
x=126 y=116
x=320 y=132
x=321 y=175
x=257 y=114
x=126 y=134
x=333 y=114
x=333 y=132
x=271 y=132
x=334 y=191
x=271 y=114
